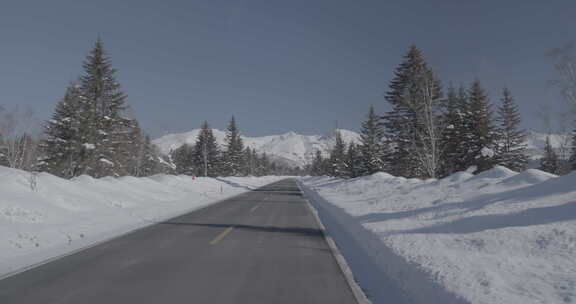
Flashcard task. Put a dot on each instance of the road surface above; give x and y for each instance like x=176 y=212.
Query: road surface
x=263 y=246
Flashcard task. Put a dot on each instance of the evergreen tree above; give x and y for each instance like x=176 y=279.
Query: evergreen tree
x=318 y=166
x=550 y=162
x=511 y=146
x=151 y=161
x=411 y=127
x=105 y=103
x=338 y=156
x=372 y=145
x=233 y=157
x=455 y=132
x=264 y=165
x=183 y=158
x=256 y=163
x=206 y=158
x=481 y=144
x=64 y=148
x=141 y=158
x=353 y=161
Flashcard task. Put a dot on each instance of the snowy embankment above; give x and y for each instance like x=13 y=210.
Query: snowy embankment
x=497 y=237
x=61 y=216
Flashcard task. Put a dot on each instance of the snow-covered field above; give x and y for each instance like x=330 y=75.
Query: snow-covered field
x=497 y=237
x=61 y=216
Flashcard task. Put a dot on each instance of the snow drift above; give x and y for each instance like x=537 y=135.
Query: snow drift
x=61 y=216
x=497 y=237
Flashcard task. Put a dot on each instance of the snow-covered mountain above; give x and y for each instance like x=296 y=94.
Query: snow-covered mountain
x=294 y=149
x=290 y=148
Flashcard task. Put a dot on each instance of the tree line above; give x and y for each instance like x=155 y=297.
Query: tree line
x=207 y=158
x=431 y=132
x=91 y=133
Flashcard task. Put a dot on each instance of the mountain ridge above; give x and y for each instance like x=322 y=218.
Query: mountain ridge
x=290 y=148
x=297 y=150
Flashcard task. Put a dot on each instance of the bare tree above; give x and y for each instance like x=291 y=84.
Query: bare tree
x=565 y=63
x=427 y=144
x=564 y=60
x=18 y=148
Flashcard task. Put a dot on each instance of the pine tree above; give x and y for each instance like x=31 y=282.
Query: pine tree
x=353 y=161
x=550 y=162
x=372 y=145
x=257 y=163
x=64 y=148
x=338 y=156
x=183 y=158
x=511 y=146
x=233 y=156
x=248 y=162
x=455 y=131
x=318 y=166
x=264 y=165
x=151 y=162
x=482 y=142
x=411 y=126
x=206 y=158
x=108 y=129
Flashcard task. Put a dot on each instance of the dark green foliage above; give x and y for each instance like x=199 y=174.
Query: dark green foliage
x=143 y=157
x=481 y=140
x=511 y=151
x=249 y=162
x=65 y=151
x=337 y=159
x=89 y=132
x=410 y=126
x=206 y=157
x=109 y=129
x=319 y=166
x=371 y=147
x=233 y=156
x=263 y=165
x=455 y=132
x=183 y=159
x=353 y=161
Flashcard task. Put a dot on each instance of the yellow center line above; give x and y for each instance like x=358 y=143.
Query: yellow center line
x=222 y=235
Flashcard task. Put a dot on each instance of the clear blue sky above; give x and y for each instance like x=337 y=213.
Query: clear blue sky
x=277 y=65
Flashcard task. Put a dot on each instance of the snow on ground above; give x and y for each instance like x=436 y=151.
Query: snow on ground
x=497 y=237
x=62 y=216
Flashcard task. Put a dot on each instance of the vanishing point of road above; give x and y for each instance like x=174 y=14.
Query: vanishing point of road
x=263 y=246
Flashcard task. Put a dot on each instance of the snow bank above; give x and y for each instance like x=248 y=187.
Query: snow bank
x=61 y=216
x=497 y=237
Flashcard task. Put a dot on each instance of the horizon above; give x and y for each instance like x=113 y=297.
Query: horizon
x=297 y=66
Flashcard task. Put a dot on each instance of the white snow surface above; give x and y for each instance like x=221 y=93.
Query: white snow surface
x=62 y=216
x=291 y=149
x=497 y=237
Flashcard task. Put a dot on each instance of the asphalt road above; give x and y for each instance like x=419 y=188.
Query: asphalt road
x=263 y=246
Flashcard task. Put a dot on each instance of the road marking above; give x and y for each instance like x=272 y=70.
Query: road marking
x=222 y=235
x=254 y=208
